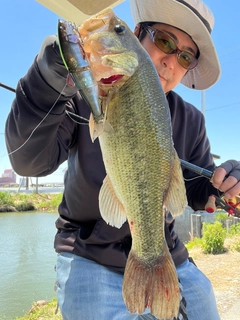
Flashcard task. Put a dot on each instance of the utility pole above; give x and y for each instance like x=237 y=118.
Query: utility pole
x=203 y=109
x=27 y=183
x=203 y=102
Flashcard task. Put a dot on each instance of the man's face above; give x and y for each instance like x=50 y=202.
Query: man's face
x=169 y=70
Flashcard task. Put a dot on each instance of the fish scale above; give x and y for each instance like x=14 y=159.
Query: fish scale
x=144 y=177
x=138 y=183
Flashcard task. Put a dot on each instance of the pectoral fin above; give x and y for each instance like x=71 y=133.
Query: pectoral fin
x=176 y=199
x=111 y=209
x=96 y=129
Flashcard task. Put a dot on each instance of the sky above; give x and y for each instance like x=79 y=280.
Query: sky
x=25 y=24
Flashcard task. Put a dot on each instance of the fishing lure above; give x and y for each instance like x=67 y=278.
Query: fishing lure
x=76 y=62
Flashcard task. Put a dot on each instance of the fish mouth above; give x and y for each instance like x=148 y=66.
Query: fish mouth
x=112 y=79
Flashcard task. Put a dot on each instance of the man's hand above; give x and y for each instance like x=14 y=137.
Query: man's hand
x=52 y=67
x=226 y=178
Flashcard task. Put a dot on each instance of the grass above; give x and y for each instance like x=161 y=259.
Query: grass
x=231 y=240
x=39 y=312
x=29 y=202
x=196 y=242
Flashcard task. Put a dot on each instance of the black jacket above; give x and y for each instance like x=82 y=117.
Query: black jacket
x=62 y=136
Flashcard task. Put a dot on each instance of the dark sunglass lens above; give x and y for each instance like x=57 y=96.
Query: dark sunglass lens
x=186 y=60
x=193 y=64
x=164 y=42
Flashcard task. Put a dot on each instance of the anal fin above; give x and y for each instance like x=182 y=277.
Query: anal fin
x=176 y=199
x=111 y=209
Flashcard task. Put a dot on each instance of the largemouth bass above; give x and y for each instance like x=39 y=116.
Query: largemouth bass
x=144 y=177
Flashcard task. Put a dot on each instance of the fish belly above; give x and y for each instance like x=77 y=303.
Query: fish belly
x=138 y=158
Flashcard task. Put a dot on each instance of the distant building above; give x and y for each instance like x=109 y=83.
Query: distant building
x=8 y=177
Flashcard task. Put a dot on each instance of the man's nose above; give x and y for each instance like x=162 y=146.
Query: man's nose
x=169 y=60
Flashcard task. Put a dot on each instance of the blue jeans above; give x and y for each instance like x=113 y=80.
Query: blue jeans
x=89 y=291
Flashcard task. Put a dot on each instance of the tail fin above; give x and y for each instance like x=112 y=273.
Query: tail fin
x=153 y=285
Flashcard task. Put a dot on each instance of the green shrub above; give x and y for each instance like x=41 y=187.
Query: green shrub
x=213 y=237
x=236 y=246
x=25 y=206
x=46 y=311
x=6 y=199
x=29 y=202
x=196 y=242
x=234 y=229
x=51 y=203
x=56 y=201
x=221 y=217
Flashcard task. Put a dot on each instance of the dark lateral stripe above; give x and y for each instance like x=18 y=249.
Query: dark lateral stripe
x=207 y=25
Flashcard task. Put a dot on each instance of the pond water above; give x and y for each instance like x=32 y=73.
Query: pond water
x=27 y=260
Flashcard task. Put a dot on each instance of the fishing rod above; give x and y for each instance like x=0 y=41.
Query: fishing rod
x=200 y=171
x=7 y=87
x=229 y=207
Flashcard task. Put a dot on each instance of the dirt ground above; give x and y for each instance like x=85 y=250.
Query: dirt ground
x=224 y=272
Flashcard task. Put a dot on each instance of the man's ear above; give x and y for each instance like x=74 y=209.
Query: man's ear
x=137 y=30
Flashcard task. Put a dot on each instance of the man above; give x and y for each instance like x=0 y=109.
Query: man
x=92 y=254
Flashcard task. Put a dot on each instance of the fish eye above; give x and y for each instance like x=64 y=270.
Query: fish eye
x=119 y=28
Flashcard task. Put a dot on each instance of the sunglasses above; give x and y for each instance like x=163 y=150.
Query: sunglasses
x=166 y=44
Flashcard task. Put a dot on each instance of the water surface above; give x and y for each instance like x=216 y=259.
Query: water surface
x=27 y=260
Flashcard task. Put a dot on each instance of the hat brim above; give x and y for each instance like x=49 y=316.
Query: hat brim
x=207 y=71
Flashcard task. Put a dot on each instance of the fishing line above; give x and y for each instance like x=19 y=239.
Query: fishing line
x=37 y=126
x=190 y=179
x=70 y=114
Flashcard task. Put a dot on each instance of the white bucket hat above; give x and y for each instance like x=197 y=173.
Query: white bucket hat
x=194 y=18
